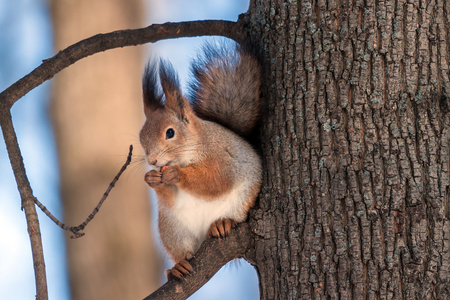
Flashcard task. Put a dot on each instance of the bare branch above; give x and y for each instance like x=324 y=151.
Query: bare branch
x=27 y=197
x=102 y=42
x=212 y=255
x=76 y=229
x=52 y=66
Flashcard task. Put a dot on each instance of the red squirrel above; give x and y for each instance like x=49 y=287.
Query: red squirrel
x=206 y=176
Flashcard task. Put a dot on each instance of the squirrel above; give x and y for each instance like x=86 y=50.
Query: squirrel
x=205 y=174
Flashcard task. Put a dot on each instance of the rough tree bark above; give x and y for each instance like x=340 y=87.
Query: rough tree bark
x=355 y=139
x=97 y=114
x=355 y=142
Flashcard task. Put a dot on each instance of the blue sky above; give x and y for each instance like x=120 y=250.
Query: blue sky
x=25 y=40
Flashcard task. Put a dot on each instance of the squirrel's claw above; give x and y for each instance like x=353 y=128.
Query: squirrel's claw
x=221 y=228
x=181 y=269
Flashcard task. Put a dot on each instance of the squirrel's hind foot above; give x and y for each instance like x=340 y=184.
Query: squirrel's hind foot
x=221 y=228
x=181 y=268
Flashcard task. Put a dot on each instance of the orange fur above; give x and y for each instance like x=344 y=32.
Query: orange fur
x=207 y=178
x=166 y=194
x=254 y=195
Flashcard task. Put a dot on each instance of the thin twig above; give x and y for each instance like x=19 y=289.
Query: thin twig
x=105 y=195
x=50 y=215
x=76 y=229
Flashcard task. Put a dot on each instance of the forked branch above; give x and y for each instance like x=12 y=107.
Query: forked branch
x=48 y=69
x=76 y=230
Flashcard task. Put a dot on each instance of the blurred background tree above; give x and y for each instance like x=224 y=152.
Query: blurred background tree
x=96 y=114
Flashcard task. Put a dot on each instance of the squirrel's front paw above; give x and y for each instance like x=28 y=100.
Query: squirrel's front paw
x=170 y=175
x=153 y=178
x=221 y=228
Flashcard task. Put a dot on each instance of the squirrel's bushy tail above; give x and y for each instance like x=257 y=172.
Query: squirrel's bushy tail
x=226 y=87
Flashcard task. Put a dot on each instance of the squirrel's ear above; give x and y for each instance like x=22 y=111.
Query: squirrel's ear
x=174 y=99
x=151 y=94
x=179 y=104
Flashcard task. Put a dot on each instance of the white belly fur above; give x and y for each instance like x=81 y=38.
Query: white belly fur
x=197 y=214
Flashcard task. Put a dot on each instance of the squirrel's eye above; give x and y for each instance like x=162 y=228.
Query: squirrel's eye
x=170 y=133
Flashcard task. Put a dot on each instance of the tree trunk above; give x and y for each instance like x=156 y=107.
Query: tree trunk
x=97 y=112
x=355 y=142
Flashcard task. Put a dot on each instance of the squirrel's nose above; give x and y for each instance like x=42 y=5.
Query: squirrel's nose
x=153 y=163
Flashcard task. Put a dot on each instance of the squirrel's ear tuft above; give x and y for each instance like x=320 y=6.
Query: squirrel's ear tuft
x=151 y=93
x=171 y=87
